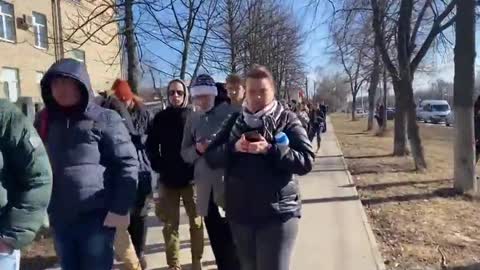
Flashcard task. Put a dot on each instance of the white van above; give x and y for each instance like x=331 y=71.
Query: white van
x=434 y=111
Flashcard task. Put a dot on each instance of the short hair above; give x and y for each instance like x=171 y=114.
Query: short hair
x=260 y=72
x=234 y=79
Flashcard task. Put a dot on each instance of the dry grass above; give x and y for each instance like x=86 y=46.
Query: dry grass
x=418 y=219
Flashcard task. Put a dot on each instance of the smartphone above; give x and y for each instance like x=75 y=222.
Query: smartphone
x=252 y=136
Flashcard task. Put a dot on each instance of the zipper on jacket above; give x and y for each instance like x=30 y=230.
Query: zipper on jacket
x=68 y=123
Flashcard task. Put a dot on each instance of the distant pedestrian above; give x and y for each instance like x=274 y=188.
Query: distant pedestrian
x=222 y=96
x=94 y=165
x=380 y=115
x=140 y=121
x=317 y=125
x=476 y=119
x=200 y=130
x=25 y=184
x=236 y=90
x=262 y=149
x=302 y=114
x=164 y=146
x=324 y=110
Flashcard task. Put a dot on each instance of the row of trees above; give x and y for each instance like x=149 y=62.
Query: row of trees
x=201 y=36
x=396 y=36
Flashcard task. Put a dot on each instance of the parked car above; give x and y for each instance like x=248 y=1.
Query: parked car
x=390 y=113
x=361 y=113
x=450 y=121
x=434 y=111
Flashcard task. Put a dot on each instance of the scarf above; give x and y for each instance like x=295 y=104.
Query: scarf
x=258 y=119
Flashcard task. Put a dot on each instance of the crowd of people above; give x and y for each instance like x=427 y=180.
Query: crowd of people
x=229 y=152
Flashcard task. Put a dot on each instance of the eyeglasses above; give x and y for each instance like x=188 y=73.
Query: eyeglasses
x=176 y=93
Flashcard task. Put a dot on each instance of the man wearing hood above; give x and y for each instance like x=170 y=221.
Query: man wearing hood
x=200 y=129
x=164 y=144
x=94 y=166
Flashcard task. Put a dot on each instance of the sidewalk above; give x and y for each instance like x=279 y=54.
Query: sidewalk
x=334 y=233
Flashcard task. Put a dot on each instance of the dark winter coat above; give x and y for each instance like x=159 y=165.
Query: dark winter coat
x=164 y=144
x=94 y=162
x=260 y=188
x=25 y=178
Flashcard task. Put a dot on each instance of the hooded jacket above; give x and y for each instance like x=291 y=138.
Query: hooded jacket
x=25 y=178
x=94 y=162
x=164 y=144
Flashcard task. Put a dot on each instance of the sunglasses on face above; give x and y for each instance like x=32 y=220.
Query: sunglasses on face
x=176 y=93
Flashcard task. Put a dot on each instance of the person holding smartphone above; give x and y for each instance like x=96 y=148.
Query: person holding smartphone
x=200 y=130
x=262 y=149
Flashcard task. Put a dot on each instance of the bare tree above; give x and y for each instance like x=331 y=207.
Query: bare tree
x=409 y=57
x=464 y=170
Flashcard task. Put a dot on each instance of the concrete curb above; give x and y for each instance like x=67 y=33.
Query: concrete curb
x=366 y=225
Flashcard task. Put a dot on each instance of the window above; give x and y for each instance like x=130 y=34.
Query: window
x=7 y=22
x=40 y=30
x=78 y=55
x=11 y=87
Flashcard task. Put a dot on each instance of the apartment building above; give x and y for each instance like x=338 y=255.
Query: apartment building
x=35 y=33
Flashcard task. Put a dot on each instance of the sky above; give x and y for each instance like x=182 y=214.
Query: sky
x=316 y=53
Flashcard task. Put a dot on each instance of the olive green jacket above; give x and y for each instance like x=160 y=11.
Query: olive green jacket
x=25 y=178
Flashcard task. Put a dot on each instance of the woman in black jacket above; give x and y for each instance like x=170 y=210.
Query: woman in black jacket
x=137 y=119
x=261 y=149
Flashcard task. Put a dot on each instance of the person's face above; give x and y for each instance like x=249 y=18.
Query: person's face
x=235 y=91
x=259 y=93
x=66 y=92
x=204 y=102
x=176 y=94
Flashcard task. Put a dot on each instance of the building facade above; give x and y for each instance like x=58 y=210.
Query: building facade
x=30 y=42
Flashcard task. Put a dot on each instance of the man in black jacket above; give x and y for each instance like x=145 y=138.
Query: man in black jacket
x=164 y=144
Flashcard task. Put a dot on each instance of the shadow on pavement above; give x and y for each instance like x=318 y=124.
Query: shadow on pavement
x=188 y=266
x=332 y=156
x=160 y=247
x=331 y=199
x=401 y=183
x=439 y=193
x=375 y=171
x=328 y=170
x=475 y=266
x=367 y=157
x=38 y=262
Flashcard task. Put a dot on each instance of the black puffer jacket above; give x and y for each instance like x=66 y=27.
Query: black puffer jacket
x=260 y=188
x=164 y=144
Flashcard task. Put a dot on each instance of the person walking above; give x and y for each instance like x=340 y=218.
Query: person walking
x=94 y=165
x=317 y=123
x=236 y=92
x=200 y=129
x=140 y=121
x=476 y=121
x=164 y=145
x=262 y=149
x=25 y=184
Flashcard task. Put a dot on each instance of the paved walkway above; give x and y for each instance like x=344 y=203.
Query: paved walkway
x=333 y=234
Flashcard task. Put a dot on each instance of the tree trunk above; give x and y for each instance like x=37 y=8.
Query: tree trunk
x=372 y=89
x=399 y=139
x=464 y=81
x=133 y=68
x=354 y=108
x=412 y=127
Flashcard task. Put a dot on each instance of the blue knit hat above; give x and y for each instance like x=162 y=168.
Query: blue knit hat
x=203 y=85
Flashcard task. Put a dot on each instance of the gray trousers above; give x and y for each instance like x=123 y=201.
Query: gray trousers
x=267 y=246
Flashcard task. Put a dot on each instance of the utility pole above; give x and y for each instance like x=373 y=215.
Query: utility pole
x=464 y=81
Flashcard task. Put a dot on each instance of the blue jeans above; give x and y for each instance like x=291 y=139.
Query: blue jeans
x=10 y=261
x=267 y=246
x=86 y=245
